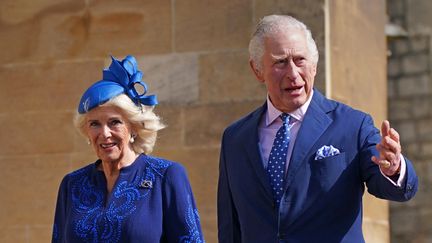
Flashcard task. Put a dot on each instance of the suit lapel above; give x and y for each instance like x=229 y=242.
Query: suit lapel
x=251 y=147
x=313 y=126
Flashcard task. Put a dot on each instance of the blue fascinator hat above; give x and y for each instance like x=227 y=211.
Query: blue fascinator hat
x=120 y=78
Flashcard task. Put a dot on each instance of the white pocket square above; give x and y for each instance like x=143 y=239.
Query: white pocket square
x=326 y=151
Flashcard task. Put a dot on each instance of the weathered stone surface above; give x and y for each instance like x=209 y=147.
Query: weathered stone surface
x=172 y=136
x=33 y=133
x=173 y=77
x=409 y=131
x=376 y=231
x=227 y=76
x=418 y=15
x=31 y=190
x=375 y=210
x=212 y=25
x=425 y=130
x=414 y=85
x=206 y=123
x=15 y=234
x=352 y=77
x=400 y=109
x=46 y=87
x=71 y=29
x=415 y=63
x=393 y=67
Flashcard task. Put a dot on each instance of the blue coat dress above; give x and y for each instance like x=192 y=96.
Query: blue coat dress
x=151 y=202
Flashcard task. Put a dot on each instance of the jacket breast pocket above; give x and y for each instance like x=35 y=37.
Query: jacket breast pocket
x=327 y=171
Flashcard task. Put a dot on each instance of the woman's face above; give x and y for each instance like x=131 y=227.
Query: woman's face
x=109 y=132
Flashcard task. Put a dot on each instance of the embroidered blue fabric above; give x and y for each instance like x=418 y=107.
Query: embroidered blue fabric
x=152 y=201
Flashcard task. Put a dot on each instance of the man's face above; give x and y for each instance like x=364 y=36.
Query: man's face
x=287 y=69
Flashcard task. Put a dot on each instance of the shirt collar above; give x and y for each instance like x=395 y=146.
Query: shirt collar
x=272 y=113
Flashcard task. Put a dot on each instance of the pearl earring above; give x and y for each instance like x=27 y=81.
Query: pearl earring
x=132 y=139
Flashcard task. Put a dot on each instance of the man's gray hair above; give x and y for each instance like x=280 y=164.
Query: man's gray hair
x=273 y=24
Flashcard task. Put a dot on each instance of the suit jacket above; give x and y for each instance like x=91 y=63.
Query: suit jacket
x=322 y=199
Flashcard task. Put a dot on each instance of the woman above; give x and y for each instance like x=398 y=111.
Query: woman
x=126 y=195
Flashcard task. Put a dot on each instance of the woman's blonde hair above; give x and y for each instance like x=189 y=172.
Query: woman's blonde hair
x=144 y=122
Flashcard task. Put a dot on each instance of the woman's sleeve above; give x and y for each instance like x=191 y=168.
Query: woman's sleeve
x=60 y=213
x=181 y=222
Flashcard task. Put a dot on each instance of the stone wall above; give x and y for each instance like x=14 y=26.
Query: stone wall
x=193 y=54
x=410 y=111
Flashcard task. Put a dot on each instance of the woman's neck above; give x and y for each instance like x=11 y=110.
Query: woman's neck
x=112 y=169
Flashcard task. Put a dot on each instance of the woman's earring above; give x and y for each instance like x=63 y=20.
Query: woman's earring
x=88 y=141
x=132 y=139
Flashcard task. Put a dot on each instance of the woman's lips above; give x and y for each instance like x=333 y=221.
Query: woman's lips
x=107 y=145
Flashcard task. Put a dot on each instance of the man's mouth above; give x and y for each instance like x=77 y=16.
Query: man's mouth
x=294 y=90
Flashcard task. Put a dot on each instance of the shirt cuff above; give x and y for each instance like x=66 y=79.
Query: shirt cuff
x=401 y=178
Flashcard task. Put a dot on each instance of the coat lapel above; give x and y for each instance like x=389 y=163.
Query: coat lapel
x=315 y=122
x=251 y=147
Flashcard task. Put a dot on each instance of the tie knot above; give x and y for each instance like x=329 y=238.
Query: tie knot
x=285 y=118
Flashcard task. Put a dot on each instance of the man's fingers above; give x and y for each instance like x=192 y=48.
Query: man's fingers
x=381 y=162
x=385 y=128
x=389 y=144
x=394 y=135
x=385 y=164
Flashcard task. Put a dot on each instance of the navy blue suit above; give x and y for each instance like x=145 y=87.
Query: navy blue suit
x=322 y=199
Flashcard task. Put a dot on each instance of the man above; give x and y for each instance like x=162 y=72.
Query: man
x=301 y=179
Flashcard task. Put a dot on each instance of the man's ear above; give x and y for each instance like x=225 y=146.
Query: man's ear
x=256 y=71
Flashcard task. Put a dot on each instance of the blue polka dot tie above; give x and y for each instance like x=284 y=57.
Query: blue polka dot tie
x=277 y=158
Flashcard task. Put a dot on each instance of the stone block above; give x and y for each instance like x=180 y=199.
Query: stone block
x=426 y=149
x=203 y=25
x=375 y=209
x=36 y=133
x=410 y=220
x=21 y=26
x=421 y=107
x=425 y=128
x=400 y=109
x=376 y=231
x=15 y=234
x=227 y=76
x=416 y=64
x=173 y=77
x=46 y=87
x=32 y=186
x=16 y=12
x=40 y=233
x=206 y=123
x=81 y=159
x=418 y=15
x=410 y=149
x=101 y=28
x=172 y=136
x=415 y=85
x=401 y=47
x=202 y=168
x=393 y=67
x=395 y=8
x=420 y=43
x=407 y=131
